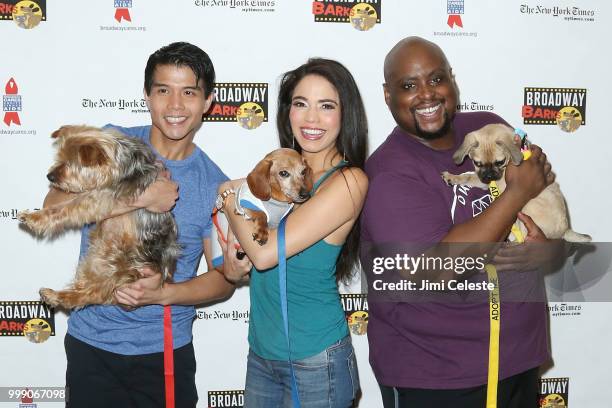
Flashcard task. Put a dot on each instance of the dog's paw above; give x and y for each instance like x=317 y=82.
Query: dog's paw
x=24 y=216
x=49 y=296
x=448 y=178
x=33 y=221
x=261 y=237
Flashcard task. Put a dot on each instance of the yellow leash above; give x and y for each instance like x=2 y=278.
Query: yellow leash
x=495 y=309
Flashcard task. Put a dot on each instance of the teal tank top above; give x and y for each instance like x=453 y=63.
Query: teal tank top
x=316 y=316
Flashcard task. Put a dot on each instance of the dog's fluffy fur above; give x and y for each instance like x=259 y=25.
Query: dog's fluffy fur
x=491 y=148
x=282 y=175
x=105 y=168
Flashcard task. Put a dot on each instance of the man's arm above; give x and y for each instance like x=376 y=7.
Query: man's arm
x=205 y=288
x=523 y=183
x=159 y=197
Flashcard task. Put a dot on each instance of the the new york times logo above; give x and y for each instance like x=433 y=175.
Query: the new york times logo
x=564 y=309
x=567 y=13
x=25 y=13
x=362 y=14
x=244 y=5
x=244 y=102
x=564 y=107
x=226 y=399
x=356 y=311
x=553 y=392
x=32 y=319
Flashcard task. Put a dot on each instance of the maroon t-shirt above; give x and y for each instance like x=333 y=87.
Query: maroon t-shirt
x=437 y=345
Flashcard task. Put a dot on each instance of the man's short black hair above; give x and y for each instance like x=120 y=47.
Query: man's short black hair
x=182 y=54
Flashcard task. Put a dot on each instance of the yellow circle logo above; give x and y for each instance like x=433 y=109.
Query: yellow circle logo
x=250 y=115
x=363 y=16
x=37 y=330
x=552 y=401
x=569 y=119
x=358 y=322
x=27 y=14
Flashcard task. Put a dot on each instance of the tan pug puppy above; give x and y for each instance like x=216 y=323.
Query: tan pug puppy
x=491 y=148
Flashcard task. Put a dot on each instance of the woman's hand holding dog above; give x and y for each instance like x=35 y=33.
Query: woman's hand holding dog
x=236 y=267
x=531 y=177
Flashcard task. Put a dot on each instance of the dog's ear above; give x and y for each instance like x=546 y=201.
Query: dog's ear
x=512 y=150
x=60 y=132
x=308 y=180
x=258 y=180
x=468 y=144
x=92 y=155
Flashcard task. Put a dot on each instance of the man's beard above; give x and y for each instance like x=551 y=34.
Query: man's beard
x=423 y=134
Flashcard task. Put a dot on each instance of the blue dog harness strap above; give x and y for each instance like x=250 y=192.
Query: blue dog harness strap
x=282 y=281
x=282 y=285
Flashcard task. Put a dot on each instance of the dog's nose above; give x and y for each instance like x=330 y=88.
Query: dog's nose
x=51 y=177
x=304 y=195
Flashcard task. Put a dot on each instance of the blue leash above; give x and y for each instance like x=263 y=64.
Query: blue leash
x=282 y=285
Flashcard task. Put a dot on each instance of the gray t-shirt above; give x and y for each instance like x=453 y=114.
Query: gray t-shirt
x=141 y=331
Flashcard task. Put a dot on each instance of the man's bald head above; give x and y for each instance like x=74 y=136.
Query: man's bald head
x=420 y=90
x=407 y=46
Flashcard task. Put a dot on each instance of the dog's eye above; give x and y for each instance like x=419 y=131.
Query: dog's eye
x=500 y=162
x=478 y=164
x=283 y=173
x=303 y=172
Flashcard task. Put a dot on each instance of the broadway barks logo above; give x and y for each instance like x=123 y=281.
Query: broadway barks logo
x=356 y=311
x=32 y=319
x=245 y=103
x=11 y=103
x=554 y=392
x=226 y=399
x=362 y=14
x=564 y=107
x=26 y=14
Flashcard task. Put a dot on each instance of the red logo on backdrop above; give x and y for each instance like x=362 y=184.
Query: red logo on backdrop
x=11 y=103
x=454 y=9
x=122 y=10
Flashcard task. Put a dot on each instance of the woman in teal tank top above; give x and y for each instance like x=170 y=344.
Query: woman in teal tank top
x=321 y=115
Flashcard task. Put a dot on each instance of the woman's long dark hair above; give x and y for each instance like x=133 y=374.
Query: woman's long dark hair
x=352 y=142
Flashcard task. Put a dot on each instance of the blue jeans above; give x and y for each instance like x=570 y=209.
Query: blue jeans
x=326 y=380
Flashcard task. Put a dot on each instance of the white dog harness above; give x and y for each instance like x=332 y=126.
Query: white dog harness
x=275 y=210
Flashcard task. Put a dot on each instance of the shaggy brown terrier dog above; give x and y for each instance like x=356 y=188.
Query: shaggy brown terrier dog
x=104 y=168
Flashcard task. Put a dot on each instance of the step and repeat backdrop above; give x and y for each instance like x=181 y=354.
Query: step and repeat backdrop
x=543 y=65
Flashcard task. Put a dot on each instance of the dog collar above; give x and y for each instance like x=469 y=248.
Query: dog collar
x=525 y=149
x=275 y=210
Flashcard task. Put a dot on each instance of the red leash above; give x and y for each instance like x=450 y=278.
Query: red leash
x=219 y=231
x=168 y=357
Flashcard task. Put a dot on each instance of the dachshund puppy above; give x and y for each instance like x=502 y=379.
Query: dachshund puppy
x=103 y=168
x=282 y=178
x=491 y=148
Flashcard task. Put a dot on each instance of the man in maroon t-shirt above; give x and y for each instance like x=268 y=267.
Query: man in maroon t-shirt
x=435 y=354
